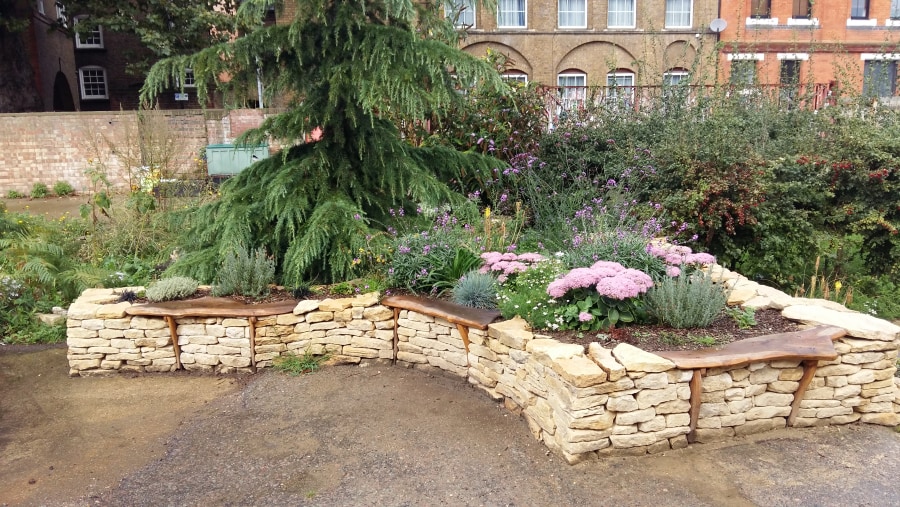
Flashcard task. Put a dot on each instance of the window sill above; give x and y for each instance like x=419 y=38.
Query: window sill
x=862 y=22
x=762 y=22
x=803 y=22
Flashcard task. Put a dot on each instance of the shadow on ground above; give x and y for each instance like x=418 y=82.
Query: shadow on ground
x=375 y=435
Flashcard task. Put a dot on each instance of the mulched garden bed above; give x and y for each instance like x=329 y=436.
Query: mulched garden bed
x=655 y=337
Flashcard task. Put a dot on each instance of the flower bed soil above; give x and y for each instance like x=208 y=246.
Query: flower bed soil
x=657 y=337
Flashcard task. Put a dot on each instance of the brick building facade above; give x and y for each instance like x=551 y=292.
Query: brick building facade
x=596 y=42
x=852 y=44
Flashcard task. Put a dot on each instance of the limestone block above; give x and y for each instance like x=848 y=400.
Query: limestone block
x=770 y=399
x=84 y=364
x=125 y=357
x=733 y=420
x=783 y=386
x=677 y=420
x=858 y=325
x=110 y=365
x=112 y=311
x=635 y=359
x=548 y=351
x=419 y=317
x=767 y=412
x=206 y=359
x=758 y=303
x=598 y=422
x=411 y=324
x=857 y=345
x=146 y=323
x=684 y=392
x=714 y=409
x=622 y=404
x=138 y=362
x=880 y=375
x=191 y=330
x=652 y=397
x=378 y=313
x=81 y=333
x=836 y=381
x=740 y=406
x=716 y=383
x=370 y=343
x=880 y=365
x=604 y=358
x=541 y=414
x=778 y=299
x=578 y=371
x=826 y=413
x=861 y=357
x=844 y=419
x=87 y=342
x=411 y=357
x=861 y=377
x=514 y=333
x=352 y=351
x=673 y=407
x=653 y=381
x=111 y=333
x=735 y=393
x=764 y=375
x=634 y=440
x=343 y=315
x=93 y=324
x=841 y=393
x=740 y=293
x=443 y=364
x=709 y=422
x=314 y=317
x=635 y=417
x=334 y=305
x=884 y=419
x=81 y=310
x=102 y=350
x=656 y=424
x=760 y=425
x=837 y=369
x=791 y=374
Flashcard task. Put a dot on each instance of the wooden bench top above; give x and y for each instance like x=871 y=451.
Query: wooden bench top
x=810 y=344
x=451 y=312
x=211 y=307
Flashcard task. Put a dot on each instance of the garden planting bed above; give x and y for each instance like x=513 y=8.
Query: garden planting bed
x=580 y=403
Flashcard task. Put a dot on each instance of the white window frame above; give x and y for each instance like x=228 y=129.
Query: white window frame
x=560 y=11
x=682 y=75
x=690 y=15
x=189 y=79
x=515 y=13
x=615 y=92
x=753 y=78
x=518 y=77
x=84 y=95
x=98 y=32
x=39 y=4
x=61 y=15
x=609 y=15
x=465 y=9
x=571 y=95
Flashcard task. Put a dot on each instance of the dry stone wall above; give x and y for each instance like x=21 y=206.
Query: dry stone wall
x=580 y=403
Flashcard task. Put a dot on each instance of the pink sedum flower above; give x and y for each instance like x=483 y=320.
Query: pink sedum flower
x=585 y=317
x=673 y=271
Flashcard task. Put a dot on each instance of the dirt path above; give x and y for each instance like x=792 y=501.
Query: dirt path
x=374 y=436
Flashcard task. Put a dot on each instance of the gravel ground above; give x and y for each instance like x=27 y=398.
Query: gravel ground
x=376 y=435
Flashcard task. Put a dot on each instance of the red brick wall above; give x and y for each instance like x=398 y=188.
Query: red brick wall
x=48 y=147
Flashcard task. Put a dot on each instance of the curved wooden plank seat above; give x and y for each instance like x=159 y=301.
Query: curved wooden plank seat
x=451 y=312
x=810 y=344
x=211 y=307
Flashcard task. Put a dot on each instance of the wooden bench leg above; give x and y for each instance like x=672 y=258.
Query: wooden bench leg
x=696 y=400
x=396 y=343
x=464 y=333
x=174 y=333
x=252 y=343
x=809 y=371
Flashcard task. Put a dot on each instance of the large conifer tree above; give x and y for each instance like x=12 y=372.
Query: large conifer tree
x=351 y=68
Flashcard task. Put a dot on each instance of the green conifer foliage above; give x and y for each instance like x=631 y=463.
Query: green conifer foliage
x=352 y=68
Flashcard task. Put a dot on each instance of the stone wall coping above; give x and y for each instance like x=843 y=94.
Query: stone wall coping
x=809 y=344
x=211 y=307
x=451 y=312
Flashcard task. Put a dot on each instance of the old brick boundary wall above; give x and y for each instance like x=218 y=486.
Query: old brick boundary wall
x=49 y=147
x=579 y=404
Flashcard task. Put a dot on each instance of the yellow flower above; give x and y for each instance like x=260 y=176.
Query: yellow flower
x=838 y=285
x=487 y=213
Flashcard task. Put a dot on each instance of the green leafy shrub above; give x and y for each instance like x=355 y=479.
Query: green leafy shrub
x=169 y=289
x=14 y=194
x=476 y=290
x=39 y=190
x=685 y=301
x=63 y=188
x=745 y=318
x=244 y=274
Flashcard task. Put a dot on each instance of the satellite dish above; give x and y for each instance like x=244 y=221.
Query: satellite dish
x=717 y=25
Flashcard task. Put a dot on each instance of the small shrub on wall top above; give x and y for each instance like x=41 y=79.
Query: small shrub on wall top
x=244 y=274
x=169 y=289
x=476 y=290
x=686 y=301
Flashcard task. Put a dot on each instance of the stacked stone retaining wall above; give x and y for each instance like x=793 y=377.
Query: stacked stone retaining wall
x=580 y=403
